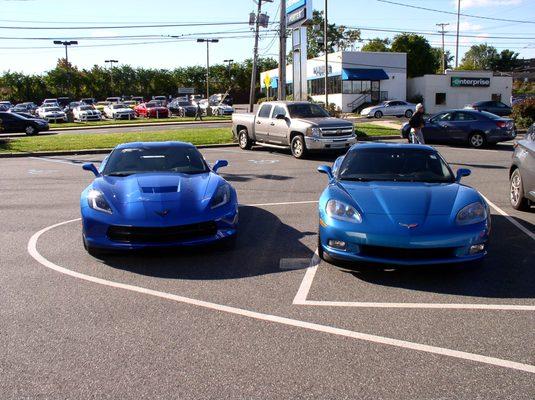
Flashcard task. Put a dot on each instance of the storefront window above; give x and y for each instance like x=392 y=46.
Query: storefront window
x=440 y=98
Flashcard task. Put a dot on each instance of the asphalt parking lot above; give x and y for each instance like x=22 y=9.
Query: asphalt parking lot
x=266 y=320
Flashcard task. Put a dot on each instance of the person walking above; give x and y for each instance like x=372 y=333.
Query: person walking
x=417 y=123
x=198 y=112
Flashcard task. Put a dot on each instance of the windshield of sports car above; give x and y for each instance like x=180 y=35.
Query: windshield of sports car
x=85 y=108
x=306 y=110
x=139 y=160
x=395 y=165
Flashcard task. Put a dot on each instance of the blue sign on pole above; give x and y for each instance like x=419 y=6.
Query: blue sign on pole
x=292 y=5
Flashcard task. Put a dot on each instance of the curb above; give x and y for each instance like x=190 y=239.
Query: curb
x=91 y=151
x=141 y=124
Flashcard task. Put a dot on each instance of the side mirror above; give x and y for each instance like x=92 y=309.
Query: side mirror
x=91 y=167
x=325 y=169
x=219 y=164
x=280 y=116
x=462 y=172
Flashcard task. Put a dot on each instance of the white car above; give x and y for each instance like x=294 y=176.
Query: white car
x=393 y=107
x=86 y=113
x=50 y=103
x=118 y=111
x=222 y=109
x=53 y=113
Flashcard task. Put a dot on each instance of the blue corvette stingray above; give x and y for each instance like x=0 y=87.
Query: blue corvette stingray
x=400 y=204
x=157 y=194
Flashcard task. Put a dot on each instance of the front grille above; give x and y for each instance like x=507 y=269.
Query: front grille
x=406 y=254
x=336 y=131
x=132 y=234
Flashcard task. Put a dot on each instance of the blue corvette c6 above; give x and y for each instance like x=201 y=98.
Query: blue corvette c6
x=155 y=195
x=400 y=204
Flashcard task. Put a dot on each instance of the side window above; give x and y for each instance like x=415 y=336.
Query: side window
x=278 y=110
x=440 y=98
x=446 y=117
x=265 y=110
x=462 y=116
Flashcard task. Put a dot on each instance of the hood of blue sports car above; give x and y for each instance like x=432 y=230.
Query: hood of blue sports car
x=409 y=198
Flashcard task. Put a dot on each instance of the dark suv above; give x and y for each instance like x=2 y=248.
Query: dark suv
x=494 y=107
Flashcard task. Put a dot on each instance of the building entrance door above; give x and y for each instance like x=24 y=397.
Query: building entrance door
x=376 y=91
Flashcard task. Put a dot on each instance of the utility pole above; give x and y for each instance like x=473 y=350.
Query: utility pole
x=443 y=64
x=255 y=55
x=207 y=41
x=281 y=87
x=111 y=62
x=66 y=43
x=457 y=44
x=326 y=82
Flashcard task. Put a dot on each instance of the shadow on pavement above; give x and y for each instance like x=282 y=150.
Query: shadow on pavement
x=263 y=240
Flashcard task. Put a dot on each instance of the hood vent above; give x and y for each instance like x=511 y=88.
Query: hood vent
x=160 y=189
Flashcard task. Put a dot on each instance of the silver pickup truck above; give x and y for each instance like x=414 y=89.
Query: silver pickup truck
x=298 y=125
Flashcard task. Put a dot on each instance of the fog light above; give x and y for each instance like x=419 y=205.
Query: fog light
x=477 y=248
x=337 y=244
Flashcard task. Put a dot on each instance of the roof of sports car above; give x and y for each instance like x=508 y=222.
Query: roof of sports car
x=134 y=145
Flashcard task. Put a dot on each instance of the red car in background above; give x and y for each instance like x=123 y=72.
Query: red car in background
x=151 y=109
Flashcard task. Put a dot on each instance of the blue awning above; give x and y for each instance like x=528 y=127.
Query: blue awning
x=364 y=74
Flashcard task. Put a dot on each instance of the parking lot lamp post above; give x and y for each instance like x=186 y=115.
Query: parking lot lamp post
x=207 y=41
x=111 y=70
x=66 y=43
x=229 y=65
x=326 y=81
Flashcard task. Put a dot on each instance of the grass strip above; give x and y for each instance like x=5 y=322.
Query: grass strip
x=366 y=130
x=134 y=121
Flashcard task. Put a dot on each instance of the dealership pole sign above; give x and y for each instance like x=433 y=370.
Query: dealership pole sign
x=298 y=13
x=458 y=81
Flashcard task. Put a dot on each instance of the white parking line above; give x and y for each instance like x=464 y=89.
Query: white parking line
x=466 y=356
x=52 y=160
x=511 y=219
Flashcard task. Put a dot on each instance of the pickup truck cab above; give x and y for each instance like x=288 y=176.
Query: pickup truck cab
x=299 y=125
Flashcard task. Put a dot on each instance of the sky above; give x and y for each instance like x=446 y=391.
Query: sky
x=153 y=47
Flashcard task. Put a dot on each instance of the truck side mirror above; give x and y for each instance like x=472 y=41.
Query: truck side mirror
x=280 y=116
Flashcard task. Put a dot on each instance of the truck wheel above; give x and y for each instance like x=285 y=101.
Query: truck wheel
x=298 y=147
x=244 y=141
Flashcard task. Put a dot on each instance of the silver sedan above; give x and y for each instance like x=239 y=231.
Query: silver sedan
x=522 y=172
x=394 y=107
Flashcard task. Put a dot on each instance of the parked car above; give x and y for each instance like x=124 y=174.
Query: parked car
x=220 y=98
x=182 y=108
x=522 y=172
x=26 y=115
x=118 y=111
x=50 y=103
x=393 y=107
x=71 y=106
x=494 y=107
x=130 y=103
x=63 y=101
x=13 y=123
x=5 y=105
x=88 y=100
x=400 y=204
x=222 y=109
x=138 y=99
x=301 y=126
x=100 y=106
x=475 y=128
x=27 y=107
x=157 y=195
x=85 y=112
x=162 y=99
x=113 y=99
x=53 y=113
x=151 y=109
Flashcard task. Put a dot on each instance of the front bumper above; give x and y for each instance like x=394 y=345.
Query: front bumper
x=124 y=115
x=94 y=117
x=402 y=246
x=334 y=143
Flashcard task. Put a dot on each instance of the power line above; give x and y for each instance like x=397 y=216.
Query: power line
x=454 y=13
x=438 y=34
x=123 y=26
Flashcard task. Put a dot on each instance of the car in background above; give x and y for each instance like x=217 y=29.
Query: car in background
x=26 y=115
x=157 y=194
x=222 y=109
x=130 y=103
x=475 y=128
x=182 y=108
x=151 y=109
x=220 y=98
x=494 y=107
x=13 y=123
x=118 y=111
x=63 y=101
x=522 y=172
x=138 y=99
x=88 y=100
x=395 y=108
x=5 y=105
x=86 y=112
x=50 y=103
x=398 y=204
x=71 y=106
x=27 y=107
x=53 y=113
x=113 y=99
x=162 y=99
x=100 y=106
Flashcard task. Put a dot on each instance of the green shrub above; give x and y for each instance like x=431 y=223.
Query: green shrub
x=524 y=113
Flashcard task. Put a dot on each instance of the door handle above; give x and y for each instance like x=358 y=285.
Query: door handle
x=258 y=122
x=272 y=124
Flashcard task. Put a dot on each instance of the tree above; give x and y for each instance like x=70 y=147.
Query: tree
x=448 y=58
x=421 y=59
x=377 y=45
x=480 y=57
x=507 y=61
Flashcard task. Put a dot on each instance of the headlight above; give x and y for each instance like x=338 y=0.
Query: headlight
x=472 y=214
x=342 y=211
x=97 y=201
x=221 y=196
x=314 y=132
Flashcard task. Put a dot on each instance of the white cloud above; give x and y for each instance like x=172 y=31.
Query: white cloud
x=466 y=4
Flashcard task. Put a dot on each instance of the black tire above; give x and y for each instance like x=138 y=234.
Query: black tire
x=244 y=141
x=321 y=253
x=30 y=130
x=378 y=114
x=477 y=140
x=298 y=147
x=516 y=192
x=408 y=113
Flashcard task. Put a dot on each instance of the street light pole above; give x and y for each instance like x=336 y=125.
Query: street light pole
x=443 y=64
x=457 y=44
x=326 y=82
x=111 y=69
x=208 y=41
x=66 y=43
x=229 y=64
x=281 y=87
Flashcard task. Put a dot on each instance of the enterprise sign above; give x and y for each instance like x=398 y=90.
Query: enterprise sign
x=457 y=81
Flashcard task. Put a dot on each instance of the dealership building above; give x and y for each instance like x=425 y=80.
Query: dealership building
x=455 y=89
x=354 y=78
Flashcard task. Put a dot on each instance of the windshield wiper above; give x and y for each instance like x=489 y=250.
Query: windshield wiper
x=356 y=179
x=120 y=174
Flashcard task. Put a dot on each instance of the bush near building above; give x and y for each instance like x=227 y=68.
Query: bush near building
x=524 y=113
